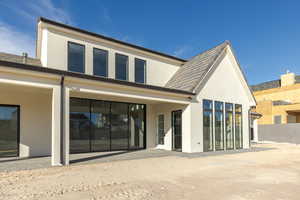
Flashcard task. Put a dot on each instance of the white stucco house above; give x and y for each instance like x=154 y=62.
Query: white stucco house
x=86 y=92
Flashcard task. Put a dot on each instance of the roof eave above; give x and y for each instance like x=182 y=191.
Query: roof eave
x=54 y=23
x=90 y=77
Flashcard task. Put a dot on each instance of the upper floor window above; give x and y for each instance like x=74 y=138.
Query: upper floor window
x=140 y=70
x=76 y=61
x=121 y=71
x=100 y=61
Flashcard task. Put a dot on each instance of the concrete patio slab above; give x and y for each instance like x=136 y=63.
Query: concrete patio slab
x=16 y=164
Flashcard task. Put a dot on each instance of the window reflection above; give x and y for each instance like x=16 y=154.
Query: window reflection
x=9 y=125
x=207 y=125
x=229 y=126
x=238 y=127
x=104 y=126
x=219 y=126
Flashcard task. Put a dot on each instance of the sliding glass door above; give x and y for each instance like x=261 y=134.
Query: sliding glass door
x=104 y=126
x=79 y=125
x=100 y=126
x=119 y=126
x=9 y=130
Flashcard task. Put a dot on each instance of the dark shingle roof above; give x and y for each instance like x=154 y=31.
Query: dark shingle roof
x=266 y=85
x=19 y=59
x=194 y=70
x=270 y=84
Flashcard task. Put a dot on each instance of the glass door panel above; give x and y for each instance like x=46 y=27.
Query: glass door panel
x=177 y=130
x=9 y=131
x=100 y=126
x=79 y=125
x=119 y=126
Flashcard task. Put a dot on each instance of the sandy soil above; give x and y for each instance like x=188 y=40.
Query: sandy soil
x=272 y=174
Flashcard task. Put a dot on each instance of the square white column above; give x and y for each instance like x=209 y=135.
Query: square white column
x=56 y=118
x=66 y=145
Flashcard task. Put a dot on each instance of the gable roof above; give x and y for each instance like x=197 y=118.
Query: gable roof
x=189 y=76
x=42 y=19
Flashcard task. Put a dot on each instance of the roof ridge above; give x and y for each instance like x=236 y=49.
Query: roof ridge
x=211 y=64
x=193 y=71
x=224 y=42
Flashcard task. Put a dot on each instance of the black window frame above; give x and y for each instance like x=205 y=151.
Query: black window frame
x=18 y=127
x=69 y=42
x=212 y=125
x=235 y=124
x=127 y=66
x=106 y=67
x=158 y=129
x=91 y=100
x=222 y=123
x=232 y=125
x=145 y=70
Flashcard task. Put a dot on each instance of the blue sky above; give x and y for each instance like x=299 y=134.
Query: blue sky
x=265 y=34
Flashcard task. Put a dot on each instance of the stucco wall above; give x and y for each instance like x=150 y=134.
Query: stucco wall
x=35 y=118
x=265 y=106
x=158 y=71
x=224 y=85
x=153 y=110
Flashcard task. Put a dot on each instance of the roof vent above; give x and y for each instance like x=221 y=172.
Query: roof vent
x=24 y=57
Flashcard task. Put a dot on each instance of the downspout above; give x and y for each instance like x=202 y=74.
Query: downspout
x=249 y=126
x=62 y=108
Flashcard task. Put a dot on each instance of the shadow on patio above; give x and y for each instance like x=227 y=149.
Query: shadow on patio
x=16 y=164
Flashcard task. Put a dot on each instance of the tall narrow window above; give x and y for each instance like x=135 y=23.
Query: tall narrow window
x=140 y=71
x=219 y=125
x=161 y=129
x=207 y=125
x=229 y=126
x=76 y=61
x=238 y=127
x=121 y=67
x=100 y=62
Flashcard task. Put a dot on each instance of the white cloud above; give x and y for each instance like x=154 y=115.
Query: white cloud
x=30 y=10
x=182 y=51
x=47 y=9
x=15 y=42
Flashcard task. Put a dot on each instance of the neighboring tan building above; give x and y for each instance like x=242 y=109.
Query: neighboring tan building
x=278 y=101
x=86 y=92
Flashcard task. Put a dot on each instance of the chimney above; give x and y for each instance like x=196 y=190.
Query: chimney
x=24 y=57
x=287 y=79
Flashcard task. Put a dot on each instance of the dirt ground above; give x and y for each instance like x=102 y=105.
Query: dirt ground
x=271 y=174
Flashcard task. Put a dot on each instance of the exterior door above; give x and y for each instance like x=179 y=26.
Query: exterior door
x=177 y=130
x=9 y=130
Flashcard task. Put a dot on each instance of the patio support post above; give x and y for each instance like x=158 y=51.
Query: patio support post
x=66 y=114
x=56 y=131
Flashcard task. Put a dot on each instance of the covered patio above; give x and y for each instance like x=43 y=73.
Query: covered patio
x=43 y=126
